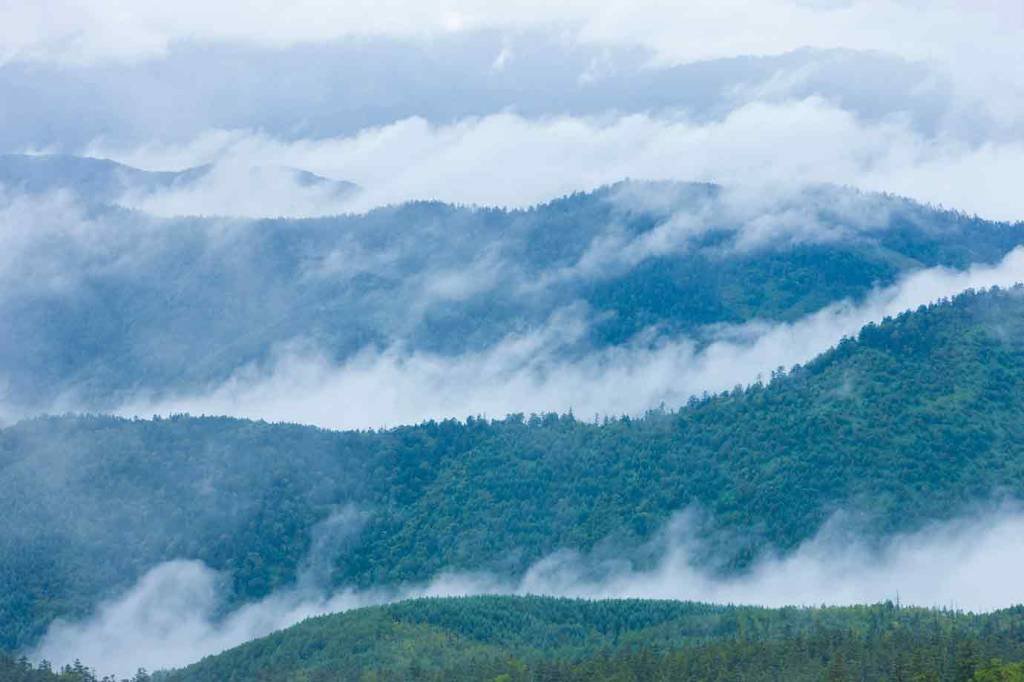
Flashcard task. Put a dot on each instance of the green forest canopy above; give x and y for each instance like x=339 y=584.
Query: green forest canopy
x=538 y=638
x=916 y=420
x=176 y=305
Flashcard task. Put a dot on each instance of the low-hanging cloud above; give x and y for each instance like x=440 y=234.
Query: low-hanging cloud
x=526 y=372
x=52 y=245
x=977 y=42
x=245 y=191
x=175 y=613
x=171 y=616
x=50 y=242
x=966 y=563
x=753 y=218
x=510 y=160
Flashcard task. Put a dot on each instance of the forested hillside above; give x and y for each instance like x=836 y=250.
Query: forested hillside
x=104 y=306
x=23 y=670
x=916 y=420
x=513 y=638
x=517 y=639
x=604 y=340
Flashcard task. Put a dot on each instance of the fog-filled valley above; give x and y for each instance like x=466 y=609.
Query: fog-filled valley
x=834 y=450
x=665 y=290
x=598 y=341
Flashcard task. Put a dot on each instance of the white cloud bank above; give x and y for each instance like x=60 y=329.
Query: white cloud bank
x=242 y=190
x=975 y=42
x=525 y=373
x=169 y=618
x=509 y=160
x=79 y=31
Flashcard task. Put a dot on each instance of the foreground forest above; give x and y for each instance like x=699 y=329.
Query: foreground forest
x=602 y=340
x=916 y=420
x=534 y=638
x=526 y=639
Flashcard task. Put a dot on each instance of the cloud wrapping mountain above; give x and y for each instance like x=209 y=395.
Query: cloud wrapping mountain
x=355 y=215
x=611 y=302
x=529 y=372
x=509 y=160
x=174 y=614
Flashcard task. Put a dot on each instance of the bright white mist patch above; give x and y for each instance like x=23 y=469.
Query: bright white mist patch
x=244 y=191
x=970 y=564
x=167 y=619
x=526 y=373
x=976 y=41
x=510 y=160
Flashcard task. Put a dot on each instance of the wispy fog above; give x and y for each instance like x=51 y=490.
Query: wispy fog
x=390 y=305
x=967 y=564
x=362 y=83
x=245 y=191
x=526 y=373
x=142 y=291
x=173 y=615
x=510 y=160
x=977 y=42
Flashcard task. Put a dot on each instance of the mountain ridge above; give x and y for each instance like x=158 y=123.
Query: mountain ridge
x=527 y=638
x=132 y=308
x=915 y=421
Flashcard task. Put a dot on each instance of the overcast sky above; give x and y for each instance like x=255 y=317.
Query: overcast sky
x=471 y=100
x=507 y=104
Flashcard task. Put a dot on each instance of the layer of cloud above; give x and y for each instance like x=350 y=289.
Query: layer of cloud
x=244 y=191
x=968 y=564
x=976 y=43
x=102 y=29
x=48 y=243
x=526 y=373
x=170 y=617
x=510 y=160
x=340 y=88
x=743 y=218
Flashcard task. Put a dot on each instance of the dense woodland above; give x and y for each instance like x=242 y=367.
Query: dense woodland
x=533 y=638
x=22 y=670
x=509 y=639
x=142 y=311
x=917 y=420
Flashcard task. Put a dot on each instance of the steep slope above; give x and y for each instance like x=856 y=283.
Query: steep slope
x=919 y=419
x=556 y=639
x=106 y=307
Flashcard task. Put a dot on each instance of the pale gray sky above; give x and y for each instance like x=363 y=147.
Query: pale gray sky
x=473 y=99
